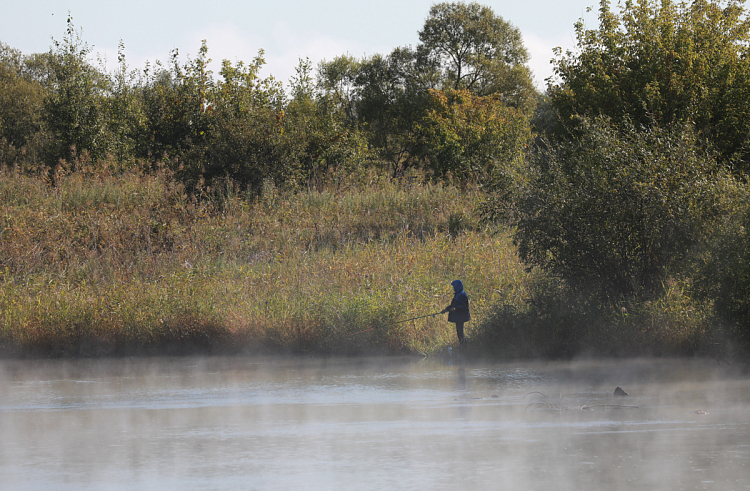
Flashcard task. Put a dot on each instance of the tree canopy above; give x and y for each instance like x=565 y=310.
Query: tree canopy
x=479 y=51
x=459 y=102
x=661 y=62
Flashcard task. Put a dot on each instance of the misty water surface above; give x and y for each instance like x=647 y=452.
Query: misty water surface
x=367 y=424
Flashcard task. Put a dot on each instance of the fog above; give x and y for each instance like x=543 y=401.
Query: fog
x=366 y=424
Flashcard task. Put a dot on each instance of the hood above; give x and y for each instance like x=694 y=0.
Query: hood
x=458 y=286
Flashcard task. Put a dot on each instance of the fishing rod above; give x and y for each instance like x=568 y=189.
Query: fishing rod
x=420 y=317
x=399 y=322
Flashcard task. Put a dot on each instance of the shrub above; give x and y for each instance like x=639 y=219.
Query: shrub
x=615 y=212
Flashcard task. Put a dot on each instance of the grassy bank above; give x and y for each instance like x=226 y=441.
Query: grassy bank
x=104 y=264
x=101 y=264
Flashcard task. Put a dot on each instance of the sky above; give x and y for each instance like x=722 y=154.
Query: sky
x=287 y=30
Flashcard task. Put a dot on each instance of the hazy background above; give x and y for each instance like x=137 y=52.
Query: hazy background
x=286 y=29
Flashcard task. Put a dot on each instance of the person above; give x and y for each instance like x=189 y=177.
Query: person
x=458 y=310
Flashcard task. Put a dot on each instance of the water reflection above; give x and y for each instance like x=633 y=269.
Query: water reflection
x=249 y=423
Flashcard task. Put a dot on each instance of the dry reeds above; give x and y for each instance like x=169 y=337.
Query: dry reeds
x=96 y=263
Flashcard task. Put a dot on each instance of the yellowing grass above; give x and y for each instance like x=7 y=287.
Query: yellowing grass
x=113 y=264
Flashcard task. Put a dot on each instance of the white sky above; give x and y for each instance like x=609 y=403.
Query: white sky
x=286 y=29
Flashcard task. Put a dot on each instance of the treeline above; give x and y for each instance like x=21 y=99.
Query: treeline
x=623 y=185
x=446 y=106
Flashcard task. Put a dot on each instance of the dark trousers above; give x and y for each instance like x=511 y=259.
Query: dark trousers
x=460 y=333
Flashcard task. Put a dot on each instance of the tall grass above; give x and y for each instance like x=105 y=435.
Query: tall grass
x=112 y=263
x=95 y=263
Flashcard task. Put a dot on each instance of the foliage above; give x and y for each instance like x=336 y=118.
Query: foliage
x=664 y=63
x=21 y=112
x=321 y=144
x=478 y=51
x=463 y=47
x=241 y=127
x=722 y=270
x=317 y=134
x=174 y=99
x=74 y=103
x=472 y=136
x=614 y=213
x=385 y=96
x=244 y=127
x=57 y=106
x=337 y=80
x=559 y=323
x=123 y=112
x=238 y=127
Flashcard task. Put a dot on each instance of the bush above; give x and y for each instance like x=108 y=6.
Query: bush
x=471 y=136
x=20 y=107
x=723 y=267
x=616 y=212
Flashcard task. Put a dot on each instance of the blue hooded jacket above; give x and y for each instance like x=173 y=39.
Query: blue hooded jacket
x=460 y=303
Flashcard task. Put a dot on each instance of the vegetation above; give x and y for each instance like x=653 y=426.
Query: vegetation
x=471 y=63
x=617 y=213
x=625 y=224
x=636 y=195
x=663 y=63
x=130 y=263
x=171 y=209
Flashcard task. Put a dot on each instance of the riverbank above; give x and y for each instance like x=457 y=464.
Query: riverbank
x=105 y=264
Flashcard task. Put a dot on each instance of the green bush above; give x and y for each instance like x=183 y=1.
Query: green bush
x=614 y=213
x=75 y=100
x=722 y=270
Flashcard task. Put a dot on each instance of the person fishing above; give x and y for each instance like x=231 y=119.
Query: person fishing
x=458 y=310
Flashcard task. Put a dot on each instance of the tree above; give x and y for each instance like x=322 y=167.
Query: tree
x=21 y=99
x=337 y=80
x=393 y=97
x=384 y=96
x=74 y=104
x=174 y=100
x=411 y=102
x=472 y=136
x=479 y=51
x=657 y=62
x=227 y=128
x=319 y=129
x=616 y=211
x=124 y=115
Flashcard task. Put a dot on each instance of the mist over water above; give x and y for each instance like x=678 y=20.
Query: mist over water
x=366 y=424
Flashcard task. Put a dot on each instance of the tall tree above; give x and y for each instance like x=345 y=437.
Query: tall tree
x=386 y=96
x=470 y=64
x=479 y=51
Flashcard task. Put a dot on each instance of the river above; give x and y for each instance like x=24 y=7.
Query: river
x=254 y=423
